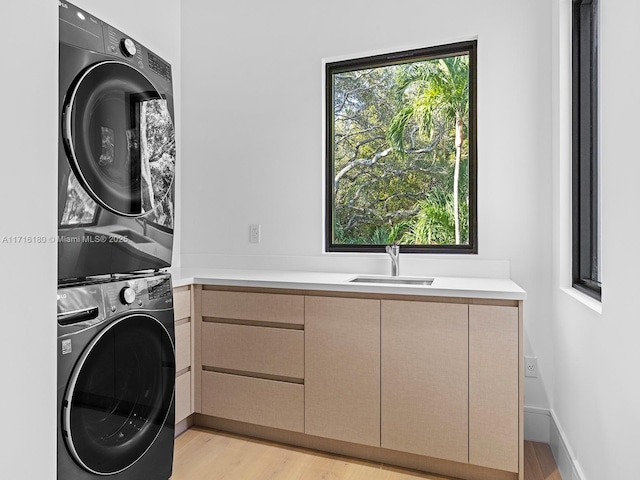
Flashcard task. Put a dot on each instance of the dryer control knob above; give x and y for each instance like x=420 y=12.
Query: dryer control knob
x=127 y=295
x=128 y=47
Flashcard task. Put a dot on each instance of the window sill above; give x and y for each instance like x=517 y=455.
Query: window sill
x=583 y=298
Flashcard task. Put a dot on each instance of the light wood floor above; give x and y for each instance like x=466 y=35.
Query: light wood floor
x=202 y=454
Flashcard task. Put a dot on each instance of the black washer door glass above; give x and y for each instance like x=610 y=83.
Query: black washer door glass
x=122 y=395
x=121 y=139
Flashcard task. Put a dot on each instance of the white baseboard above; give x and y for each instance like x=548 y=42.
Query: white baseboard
x=541 y=425
x=565 y=458
x=537 y=424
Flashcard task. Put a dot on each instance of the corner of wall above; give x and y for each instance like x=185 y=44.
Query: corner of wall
x=542 y=425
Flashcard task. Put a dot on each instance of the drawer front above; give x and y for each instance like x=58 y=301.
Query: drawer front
x=259 y=307
x=182 y=305
x=271 y=351
x=183 y=396
x=253 y=400
x=183 y=346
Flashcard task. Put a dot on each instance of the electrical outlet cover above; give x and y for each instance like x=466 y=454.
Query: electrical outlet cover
x=254 y=233
x=531 y=367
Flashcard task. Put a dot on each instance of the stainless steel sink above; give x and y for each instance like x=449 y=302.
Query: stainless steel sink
x=393 y=280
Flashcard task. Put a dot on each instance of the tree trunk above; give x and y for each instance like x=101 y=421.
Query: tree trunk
x=456 y=176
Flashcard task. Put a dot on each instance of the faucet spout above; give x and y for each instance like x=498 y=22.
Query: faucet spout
x=394 y=253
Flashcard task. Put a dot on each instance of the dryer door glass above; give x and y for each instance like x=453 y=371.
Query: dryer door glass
x=120 y=395
x=119 y=136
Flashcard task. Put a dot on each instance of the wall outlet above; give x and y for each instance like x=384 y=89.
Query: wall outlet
x=531 y=367
x=254 y=233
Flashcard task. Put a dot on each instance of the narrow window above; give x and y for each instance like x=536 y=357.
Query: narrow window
x=586 y=184
x=401 y=151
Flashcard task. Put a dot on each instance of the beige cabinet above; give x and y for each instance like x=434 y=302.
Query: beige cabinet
x=494 y=394
x=183 y=324
x=342 y=369
x=424 y=392
x=428 y=383
x=252 y=358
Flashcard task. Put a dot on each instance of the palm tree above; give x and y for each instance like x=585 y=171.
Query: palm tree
x=439 y=91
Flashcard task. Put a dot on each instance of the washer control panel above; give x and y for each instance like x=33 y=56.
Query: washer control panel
x=83 y=305
x=151 y=292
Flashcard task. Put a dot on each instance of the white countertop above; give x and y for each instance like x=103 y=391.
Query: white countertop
x=467 y=287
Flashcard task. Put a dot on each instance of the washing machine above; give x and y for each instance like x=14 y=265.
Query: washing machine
x=116 y=378
x=117 y=152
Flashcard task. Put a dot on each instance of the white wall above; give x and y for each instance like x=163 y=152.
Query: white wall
x=597 y=383
x=252 y=135
x=28 y=135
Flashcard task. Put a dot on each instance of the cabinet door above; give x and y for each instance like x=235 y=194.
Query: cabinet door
x=342 y=369
x=493 y=387
x=425 y=379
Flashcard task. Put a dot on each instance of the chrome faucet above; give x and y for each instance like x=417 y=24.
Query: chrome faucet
x=394 y=253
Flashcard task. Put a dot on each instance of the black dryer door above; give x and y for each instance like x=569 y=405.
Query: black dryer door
x=119 y=395
x=119 y=138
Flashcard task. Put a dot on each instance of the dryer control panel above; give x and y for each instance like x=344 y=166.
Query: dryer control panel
x=119 y=44
x=81 y=29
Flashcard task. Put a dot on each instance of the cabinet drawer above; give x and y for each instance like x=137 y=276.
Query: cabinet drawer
x=271 y=351
x=183 y=396
x=182 y=305
x=253 y=400
x=259 y=307
x=183 y=346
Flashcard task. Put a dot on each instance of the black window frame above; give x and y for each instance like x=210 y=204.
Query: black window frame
x=428 y=53
x=585 y=154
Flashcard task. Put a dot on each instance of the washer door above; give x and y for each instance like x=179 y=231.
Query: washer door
x=119 y=395
x=119 y=137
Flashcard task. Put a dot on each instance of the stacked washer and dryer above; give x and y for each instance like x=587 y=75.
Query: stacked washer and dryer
x=116 y=164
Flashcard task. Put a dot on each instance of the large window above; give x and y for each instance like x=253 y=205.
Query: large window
x=401 y=151
x=586 y=184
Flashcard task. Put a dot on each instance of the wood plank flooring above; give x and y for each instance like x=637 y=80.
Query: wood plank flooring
x=202 y=454
x=539 y=462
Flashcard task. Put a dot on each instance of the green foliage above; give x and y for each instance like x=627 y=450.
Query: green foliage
x=434 y=223
x=395 y=153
